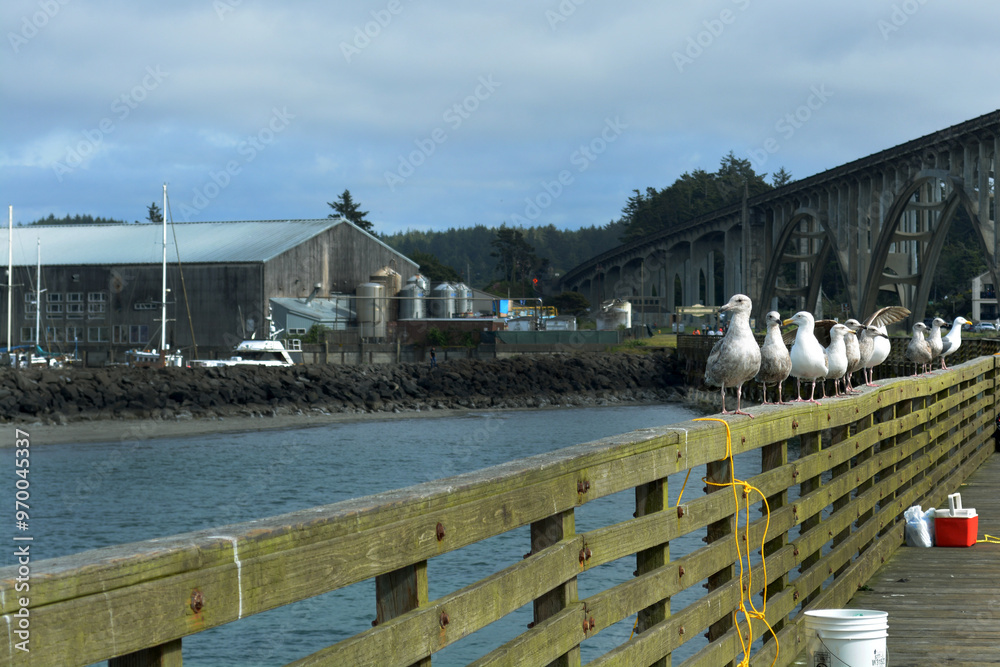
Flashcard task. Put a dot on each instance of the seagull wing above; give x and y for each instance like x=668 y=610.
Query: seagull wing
x=887 y=315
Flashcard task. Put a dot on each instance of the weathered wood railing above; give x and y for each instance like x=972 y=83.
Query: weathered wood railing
x=837 y=477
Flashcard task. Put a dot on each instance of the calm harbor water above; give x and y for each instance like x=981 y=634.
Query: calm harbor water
x=86 y=496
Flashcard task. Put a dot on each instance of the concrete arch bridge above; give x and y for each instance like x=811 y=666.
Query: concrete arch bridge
x=879 y=221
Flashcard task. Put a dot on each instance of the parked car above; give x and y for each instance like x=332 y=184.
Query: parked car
x=980 y=327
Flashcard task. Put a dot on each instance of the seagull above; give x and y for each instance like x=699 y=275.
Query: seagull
x=836 y=357
x=736 y=357
x=919 y=350
x=952 y=340
x=934 y=339
x=879 y=319
x=775 y=363
x=866 y=344
x=854 y=359
x=808 y=356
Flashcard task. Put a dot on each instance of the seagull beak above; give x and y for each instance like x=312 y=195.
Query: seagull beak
x=785 y=323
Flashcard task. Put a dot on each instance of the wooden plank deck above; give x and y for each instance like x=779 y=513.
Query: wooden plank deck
x=944 y=603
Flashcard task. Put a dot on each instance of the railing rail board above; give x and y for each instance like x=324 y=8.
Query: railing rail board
x=862 y=460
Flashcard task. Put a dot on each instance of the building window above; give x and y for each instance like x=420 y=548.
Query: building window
x=148 y=305
x=119 y=334
x=74 y=334
x=53 y=310
x=54 y=335
x=74 y=297
x=30 y=308
x=27 y=334
x=138 y=334
x=74 y=311
x=295 y=345
x=297 y=332
x=95 y=311
x=54 y=297
x=98 y=335
x=97 y=297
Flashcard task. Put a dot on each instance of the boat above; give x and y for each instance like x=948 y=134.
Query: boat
x=250 y=353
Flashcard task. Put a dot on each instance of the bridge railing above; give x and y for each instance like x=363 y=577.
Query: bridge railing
x=837 y=478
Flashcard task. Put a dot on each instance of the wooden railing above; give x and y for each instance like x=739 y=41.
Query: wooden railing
x=837 y=478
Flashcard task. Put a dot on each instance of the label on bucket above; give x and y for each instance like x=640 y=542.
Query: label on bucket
x=823 y=658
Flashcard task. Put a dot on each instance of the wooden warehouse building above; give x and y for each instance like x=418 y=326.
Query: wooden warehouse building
x=102 y=284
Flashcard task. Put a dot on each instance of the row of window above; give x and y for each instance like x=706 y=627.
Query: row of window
x=68 y=297
x=122 y=334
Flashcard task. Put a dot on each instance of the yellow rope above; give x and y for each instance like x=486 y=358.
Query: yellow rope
x=989 y=539
x=753 y=612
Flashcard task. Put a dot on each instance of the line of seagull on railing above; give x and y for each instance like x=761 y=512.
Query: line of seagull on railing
x=820 y=350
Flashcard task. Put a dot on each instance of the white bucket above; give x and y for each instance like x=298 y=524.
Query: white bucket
x=847 y=637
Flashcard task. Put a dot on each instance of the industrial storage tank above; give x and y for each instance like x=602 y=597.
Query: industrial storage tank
x=412 y=304
x=463 y=299
x=442 y=300
x=371 y=310
x=391 y=282
x=613 y=314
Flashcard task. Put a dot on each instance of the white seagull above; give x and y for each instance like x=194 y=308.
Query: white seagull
x=952 y=340
x=934 y=339
x=736 y=357
x=879 y=319
x=808 y=356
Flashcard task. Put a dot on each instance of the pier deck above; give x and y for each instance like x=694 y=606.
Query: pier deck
x=944 y=604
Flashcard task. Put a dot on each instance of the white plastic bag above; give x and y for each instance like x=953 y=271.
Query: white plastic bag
x=919 y=527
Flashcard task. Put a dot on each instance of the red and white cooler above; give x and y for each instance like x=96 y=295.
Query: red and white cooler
x=955 y=526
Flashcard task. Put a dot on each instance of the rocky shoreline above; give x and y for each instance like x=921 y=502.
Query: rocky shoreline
x=119 y=393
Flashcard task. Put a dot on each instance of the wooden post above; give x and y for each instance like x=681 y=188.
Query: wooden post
x=811 y=443
x=545 y=533
x=650 y=498
x=164 y=655
x=720 y=472
x=400 y=591
x=774 y=456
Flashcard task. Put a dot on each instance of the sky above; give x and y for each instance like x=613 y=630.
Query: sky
x=439 y=115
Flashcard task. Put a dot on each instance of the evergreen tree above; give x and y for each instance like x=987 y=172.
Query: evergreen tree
x=347 y=208
x=154 y=213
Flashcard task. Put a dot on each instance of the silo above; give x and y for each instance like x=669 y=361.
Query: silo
x=371 y=310
x=421 y=282
x=411 y=302
x=391 y=282
x=442 y=300
x=463 y=299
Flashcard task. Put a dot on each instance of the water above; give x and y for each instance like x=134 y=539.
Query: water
x=86 y=496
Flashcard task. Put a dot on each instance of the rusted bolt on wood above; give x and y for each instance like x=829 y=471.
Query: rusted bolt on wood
x=439 y=531
x=680 y=571
x=680 y=630
x=582 y=486
x=592 y=624
x=681 y=511
x=444 y=620
x=585 y=554
x=795 y=423
x=197 y=600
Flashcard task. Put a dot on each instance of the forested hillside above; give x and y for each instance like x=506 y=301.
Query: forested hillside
x=469 y=251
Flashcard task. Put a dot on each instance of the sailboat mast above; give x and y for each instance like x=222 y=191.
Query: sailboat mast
x=38 y=298
x=10 y=275
x=163 y=293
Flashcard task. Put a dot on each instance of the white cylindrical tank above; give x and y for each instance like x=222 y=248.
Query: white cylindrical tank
x=442 y=300
x=463 y=298
x=411 y=302
x=371 y=310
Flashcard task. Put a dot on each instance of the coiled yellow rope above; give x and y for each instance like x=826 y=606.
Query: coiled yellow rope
x=745 y=597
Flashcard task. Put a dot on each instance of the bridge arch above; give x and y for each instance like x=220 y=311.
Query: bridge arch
x=928 y=203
